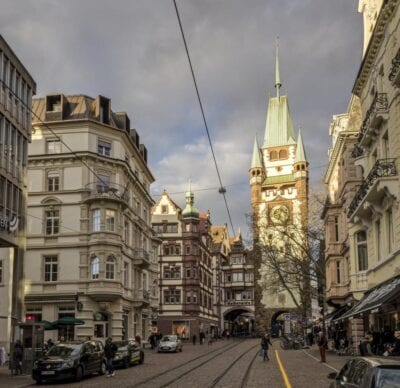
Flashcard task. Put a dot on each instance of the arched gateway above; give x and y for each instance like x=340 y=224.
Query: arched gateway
x=239 y=321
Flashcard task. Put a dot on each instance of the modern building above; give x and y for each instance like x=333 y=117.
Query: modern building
x=91 y=252
x=279 y=200
x=185 y=267
x=16 y=90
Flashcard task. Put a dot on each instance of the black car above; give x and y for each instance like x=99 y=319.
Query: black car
x=368 y=372
x=70 y=360
x=128 y=353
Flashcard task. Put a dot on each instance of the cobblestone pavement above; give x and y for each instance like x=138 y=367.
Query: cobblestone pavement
x=232 y=364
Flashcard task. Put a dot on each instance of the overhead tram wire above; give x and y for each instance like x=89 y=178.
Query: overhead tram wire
x=60 y=139
x=222 y=189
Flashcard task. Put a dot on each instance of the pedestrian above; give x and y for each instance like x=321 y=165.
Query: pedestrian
x=322 y=344
x=50 y=343
x=17 y=357
x=194 y=339
x=202 y=337
x=228 y=334
x=265 y=342
x=109 y=351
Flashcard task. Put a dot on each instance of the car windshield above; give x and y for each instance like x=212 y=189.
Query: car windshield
x=388 y=377
x=168 y=338
x=64 y=350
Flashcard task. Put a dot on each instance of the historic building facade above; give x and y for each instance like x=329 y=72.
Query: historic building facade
x=185 y=268
x=341 y=180
x=279 y=198
x=372 y=211
x=16 y=90
x=91 y=252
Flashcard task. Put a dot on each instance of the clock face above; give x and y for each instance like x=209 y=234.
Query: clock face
x=279 y=214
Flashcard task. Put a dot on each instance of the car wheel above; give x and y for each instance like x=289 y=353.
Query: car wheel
x=103 y=369
x=79 y=373
x=141 y=359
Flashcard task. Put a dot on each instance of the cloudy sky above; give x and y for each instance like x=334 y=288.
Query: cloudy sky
x=132 y=52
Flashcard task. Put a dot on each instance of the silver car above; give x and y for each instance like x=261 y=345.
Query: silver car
x=170 y=343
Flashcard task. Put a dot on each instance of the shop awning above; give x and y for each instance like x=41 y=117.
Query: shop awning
x=334 y=315
x=375 y=298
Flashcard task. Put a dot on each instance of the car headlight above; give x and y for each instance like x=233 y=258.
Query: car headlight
x=67 y=364
x=120 y=355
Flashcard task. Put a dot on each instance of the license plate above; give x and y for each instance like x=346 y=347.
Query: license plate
x=48 y=372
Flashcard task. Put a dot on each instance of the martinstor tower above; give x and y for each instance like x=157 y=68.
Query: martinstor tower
x=279 y=199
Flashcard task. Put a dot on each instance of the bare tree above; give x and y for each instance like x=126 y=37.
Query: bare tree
x=290 y=251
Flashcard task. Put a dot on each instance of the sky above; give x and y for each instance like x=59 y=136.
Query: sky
x=132 y=52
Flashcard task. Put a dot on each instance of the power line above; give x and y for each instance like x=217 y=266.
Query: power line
x=222 y=189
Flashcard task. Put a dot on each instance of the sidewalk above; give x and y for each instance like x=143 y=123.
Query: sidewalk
x=6 y=380
x=333 y=361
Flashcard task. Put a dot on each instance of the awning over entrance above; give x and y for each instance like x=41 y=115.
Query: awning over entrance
x=374 y=299
x=335 y=315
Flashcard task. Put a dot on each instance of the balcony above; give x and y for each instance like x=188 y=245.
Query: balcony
x=109 y=191
x=141 y=297
x=141 y=257
x=337 y=292
x=394 y=74
x=104 y=291
x=376 y=113
x=370 y=190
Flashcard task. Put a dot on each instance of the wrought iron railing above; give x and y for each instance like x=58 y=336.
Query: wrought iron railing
x=394 y=70
x=382 y=168
x=379 y=105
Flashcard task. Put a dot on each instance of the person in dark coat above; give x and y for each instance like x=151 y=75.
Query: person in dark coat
x=194 y=339
x=322 y=344
x=109 y=351
x=17 y=358
x=265 y=342
x=202 y=337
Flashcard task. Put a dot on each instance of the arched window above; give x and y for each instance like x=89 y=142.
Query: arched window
x=95 y=267
x=282 y=154
x=110 y=268
x=273 y=155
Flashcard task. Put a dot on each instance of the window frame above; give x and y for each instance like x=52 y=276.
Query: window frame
x=52 y=222
x=50 y=267
x=110 y=268
x=362 y=246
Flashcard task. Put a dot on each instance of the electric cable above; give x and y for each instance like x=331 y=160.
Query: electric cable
x=222 y=189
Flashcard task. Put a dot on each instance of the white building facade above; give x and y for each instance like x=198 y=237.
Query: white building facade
x=91 y=252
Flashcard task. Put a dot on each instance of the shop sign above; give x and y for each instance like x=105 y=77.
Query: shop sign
x=9 y=226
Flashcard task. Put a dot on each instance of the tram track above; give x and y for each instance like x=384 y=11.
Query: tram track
x=219 y=351
x=232 y=364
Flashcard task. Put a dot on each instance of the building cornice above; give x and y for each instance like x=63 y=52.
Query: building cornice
x=374 y=44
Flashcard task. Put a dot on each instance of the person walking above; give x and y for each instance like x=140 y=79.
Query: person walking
x=265 y=342
x=109 y=351
x=202 y=337
x=322 y=343
x=17 y=358
x=194 y=339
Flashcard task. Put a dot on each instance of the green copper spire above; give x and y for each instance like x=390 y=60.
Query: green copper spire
x=300 y=153
x=279 y=126
x=278 y=83
x=190 y=211
x=255 y=160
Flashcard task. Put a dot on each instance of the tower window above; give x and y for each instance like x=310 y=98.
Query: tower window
x=273 y=155
x=282 y=154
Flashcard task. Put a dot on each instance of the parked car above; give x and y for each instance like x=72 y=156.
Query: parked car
x=368 y=372
x=70 y=360
x=170 y=343
x=128 y=353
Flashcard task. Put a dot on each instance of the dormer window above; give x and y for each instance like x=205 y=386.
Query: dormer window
x=53 y=103
x=104 y=110
x=164 y=209
x=104 y=148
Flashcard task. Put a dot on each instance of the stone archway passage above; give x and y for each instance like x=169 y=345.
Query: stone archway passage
x=239 y=321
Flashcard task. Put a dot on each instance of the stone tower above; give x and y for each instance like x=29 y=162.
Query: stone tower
x=279 y=196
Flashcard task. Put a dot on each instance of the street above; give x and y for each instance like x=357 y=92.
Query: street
x=233 y=363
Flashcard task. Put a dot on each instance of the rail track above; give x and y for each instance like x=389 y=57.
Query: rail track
x=218 y=352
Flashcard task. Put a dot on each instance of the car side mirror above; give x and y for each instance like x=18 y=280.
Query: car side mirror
x=332 y=375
